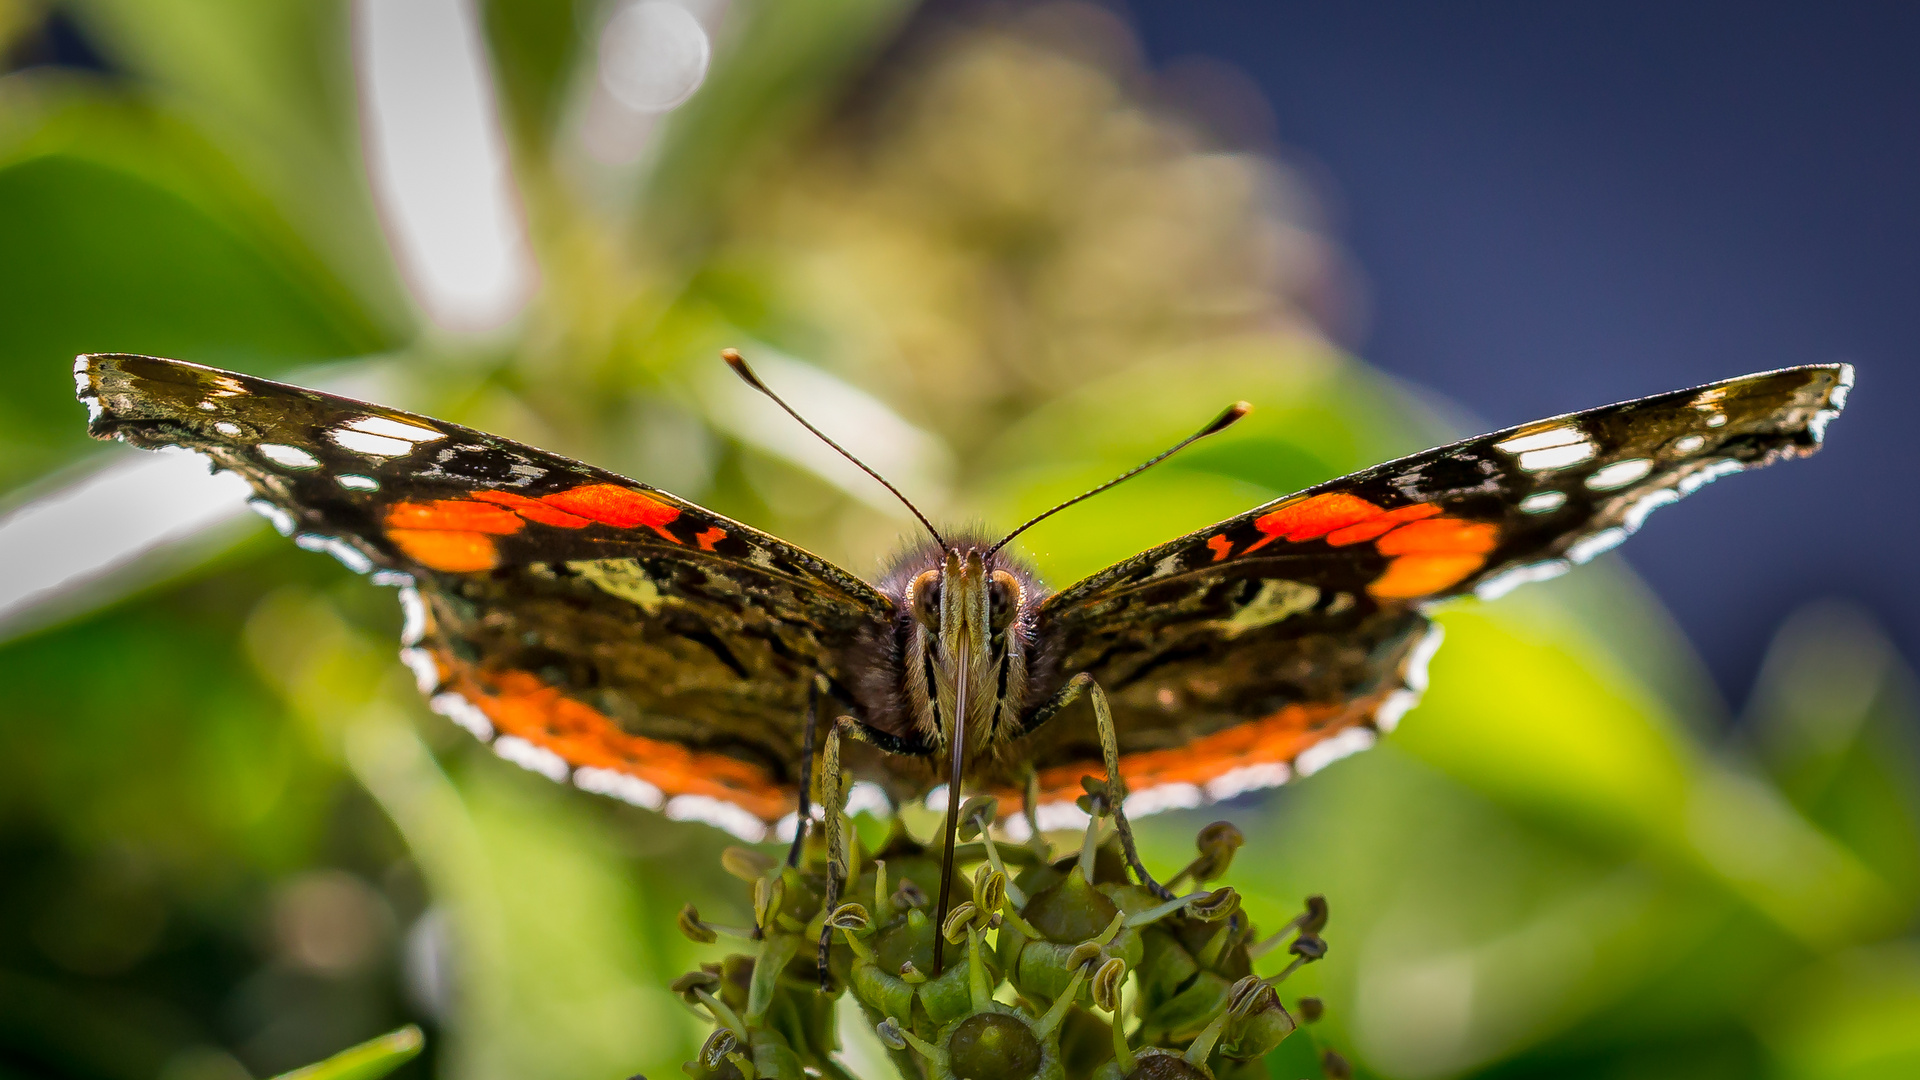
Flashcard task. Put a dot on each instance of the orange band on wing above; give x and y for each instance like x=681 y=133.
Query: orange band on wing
x=622 y=508
x=1310 y=519
x=533 y=509
x=451 y=551
x=521 y=704
x=1441 y=536
x=1411 y=576
x=460 y=515
x=1275 y=739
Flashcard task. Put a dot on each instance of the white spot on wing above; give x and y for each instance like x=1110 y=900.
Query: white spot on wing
x=413 y=616
x=1324 y=753
x=1541 y=440
x=1817 y=424
x=532 y=758
x=426 y=670
x=1060 y=815
x=464 y=713
x=1687 y=444
x=1716 y=419
x=1247 y=778
x=356 y=482
x=1422 y=655
x=723 y=815
x=1153 y=800
x=1707 y=474
x=1541 y=502
x=626 y=788
x=1506 y=581
x=371 y=445
x=230 y=429
x=1636 y=514
x=351 y=557
x=392 y=578
x=395 y=429
x=1398 y=704
x=281 y=520
x=1556 y=457
x=869 y=798
x=291 y=457
x=1596 y=545
x=785 y=829
x=1619 y=474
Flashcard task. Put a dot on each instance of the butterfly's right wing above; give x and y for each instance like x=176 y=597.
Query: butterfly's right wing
x=1282 y=637
x=590 y=627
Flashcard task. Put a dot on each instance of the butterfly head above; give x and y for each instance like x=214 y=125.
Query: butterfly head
x=965 y=639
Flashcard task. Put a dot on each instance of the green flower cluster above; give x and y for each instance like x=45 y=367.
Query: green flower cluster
x=1036 y=964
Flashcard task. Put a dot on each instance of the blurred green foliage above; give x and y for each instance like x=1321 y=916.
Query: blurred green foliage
x=232 y=841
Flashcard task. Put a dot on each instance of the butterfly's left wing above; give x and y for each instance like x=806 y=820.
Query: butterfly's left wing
x=1292 y=634
x=590 y=627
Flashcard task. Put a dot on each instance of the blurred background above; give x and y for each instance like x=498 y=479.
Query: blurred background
x=1659 y=825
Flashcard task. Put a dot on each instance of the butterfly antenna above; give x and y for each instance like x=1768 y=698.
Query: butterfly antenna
x=740 y=368
x=1220 y=423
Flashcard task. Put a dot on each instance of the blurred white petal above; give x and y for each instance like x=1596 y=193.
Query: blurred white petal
x=107 y=520
x=438 y=163
x=653 y=55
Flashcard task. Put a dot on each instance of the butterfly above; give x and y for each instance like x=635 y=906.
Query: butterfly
x=608 y=634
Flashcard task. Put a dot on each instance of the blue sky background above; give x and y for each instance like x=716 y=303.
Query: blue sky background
x=1553 y=206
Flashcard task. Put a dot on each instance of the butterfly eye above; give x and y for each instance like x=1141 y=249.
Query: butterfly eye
x=925 y=595
x=1003 y=593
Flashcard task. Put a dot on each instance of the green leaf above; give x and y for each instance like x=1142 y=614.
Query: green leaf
x=535 y=45
x=272 y=85
x=1834 y=721
x=368 y=1061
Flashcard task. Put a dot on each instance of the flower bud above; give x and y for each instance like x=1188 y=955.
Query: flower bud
x=718 y=1045
x=849 y=917
x=692 y=981
x=746 y=863
x=1316 y=916
x=955 y=931
x=769 y=895
x=1217 y=843
x=977 y=813
x=1308 y=947
x=1335 y=1066
x=691 y=926
x=889 y=1032
x=990 y=889
x=993 y=1046
x=1215 y=905
x=1311 y=1009
x=1256 y=1021
x=1106 y=983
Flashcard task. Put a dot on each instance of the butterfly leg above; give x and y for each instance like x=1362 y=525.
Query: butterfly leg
x=1116 y=794
x=833 y=800
x=805 y=811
